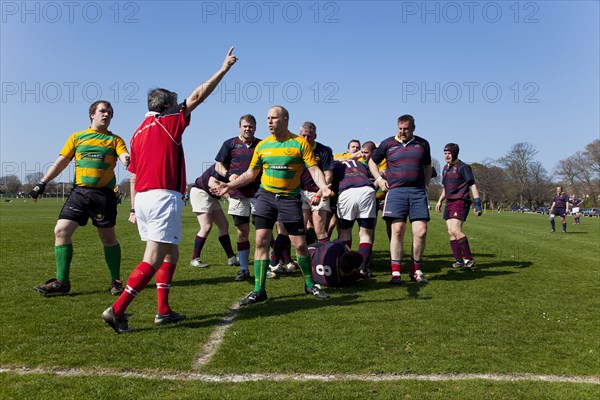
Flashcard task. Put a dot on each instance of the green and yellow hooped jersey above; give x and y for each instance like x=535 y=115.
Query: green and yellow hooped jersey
x=282 y=163
x=95 y=156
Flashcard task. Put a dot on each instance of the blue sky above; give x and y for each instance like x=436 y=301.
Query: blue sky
x=485 y=74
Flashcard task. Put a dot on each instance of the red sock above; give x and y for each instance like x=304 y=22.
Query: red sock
x=164 y=277
x=396 y=267
x=137 y=281
x=414 y=266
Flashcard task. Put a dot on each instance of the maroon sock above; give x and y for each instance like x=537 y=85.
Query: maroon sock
x=465 y=249
x=279 y=248
x=164 y=277
x=456 y=253
x=348 y=243
x=198 y=245
x=137 y=281
x=225 y=241
x=241 y=246
x=364 y=249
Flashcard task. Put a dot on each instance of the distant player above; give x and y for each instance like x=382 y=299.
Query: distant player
x=458 y=181
x=95 y=151
x=559 y=207
x=575 y=209
x=334 y=264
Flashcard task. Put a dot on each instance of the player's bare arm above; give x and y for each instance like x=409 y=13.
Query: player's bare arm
x=319 y=179
x=438 y=206
x=204 y=90
x=379 y=178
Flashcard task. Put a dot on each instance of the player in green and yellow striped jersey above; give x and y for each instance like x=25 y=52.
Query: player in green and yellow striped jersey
x=281 y=158
x=95 y=151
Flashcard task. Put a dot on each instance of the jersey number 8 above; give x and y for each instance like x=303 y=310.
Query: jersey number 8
x=323 y=270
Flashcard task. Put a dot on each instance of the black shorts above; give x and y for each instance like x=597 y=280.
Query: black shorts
x=98 y=204
x=269 y=208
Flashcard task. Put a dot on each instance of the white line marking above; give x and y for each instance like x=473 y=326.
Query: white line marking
x=216 y=339
x=191 y=376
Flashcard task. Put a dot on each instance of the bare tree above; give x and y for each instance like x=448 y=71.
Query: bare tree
x=581 y=172
x=492 y=184
x=517 y=164
x=10 y=184
x=539 y=185
x=592 y=153
x=34 y=178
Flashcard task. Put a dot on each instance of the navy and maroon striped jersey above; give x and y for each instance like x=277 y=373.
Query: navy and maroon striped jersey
x=405 y=162
x=348 y=174
x=202 y=181
x=561 y=200
x=456 y=179
x=325 y=257
x=236 y=155
x=324 y=157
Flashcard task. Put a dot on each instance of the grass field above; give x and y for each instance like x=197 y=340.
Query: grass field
x=524 y=325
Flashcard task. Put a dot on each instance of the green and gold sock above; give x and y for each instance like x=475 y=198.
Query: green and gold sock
x=260 y=275
x=112 y=255
x=63 y=255
x=306 y=268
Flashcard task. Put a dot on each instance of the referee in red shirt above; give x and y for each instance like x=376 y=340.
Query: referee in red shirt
x=157 y=187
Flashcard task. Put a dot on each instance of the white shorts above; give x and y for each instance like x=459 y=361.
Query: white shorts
x=203 y=202
x=158 y=215
x=356 y=203
x=575 y=210
x=242 y=207
x=305 y=195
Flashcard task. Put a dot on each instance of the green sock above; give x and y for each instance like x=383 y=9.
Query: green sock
x=306 y=268
x=63 y=256
x=112 y=255
x=260 y=275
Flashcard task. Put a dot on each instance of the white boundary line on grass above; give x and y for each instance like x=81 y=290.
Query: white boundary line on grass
x=216 y=339
x=239 y=378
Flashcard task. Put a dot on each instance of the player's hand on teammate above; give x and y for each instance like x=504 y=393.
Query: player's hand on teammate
x=383 y=184
x=37 y=190
x=326 y=192
x=315 y=200
x=220 y=189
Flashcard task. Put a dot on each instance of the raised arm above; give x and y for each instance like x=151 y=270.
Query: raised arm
x=204 y=90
